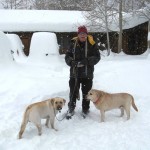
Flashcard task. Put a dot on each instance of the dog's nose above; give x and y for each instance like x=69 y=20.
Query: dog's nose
x=59 y=108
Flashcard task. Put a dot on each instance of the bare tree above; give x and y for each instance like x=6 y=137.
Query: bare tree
x=146 y=13
x=107 y=29
x=16 y=4
x=143 y=11
x=148 y=34
x=39 y=4
x=11 y=4
x=99 y=18
x=47 y=4
x=105 y=12
x=62 y=4
x=120 y=27
x=131 y=5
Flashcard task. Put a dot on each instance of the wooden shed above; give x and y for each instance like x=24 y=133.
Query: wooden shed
x=134 y=40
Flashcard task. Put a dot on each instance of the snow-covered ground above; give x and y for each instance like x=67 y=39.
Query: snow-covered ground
x=44 y=74
x=26 y=83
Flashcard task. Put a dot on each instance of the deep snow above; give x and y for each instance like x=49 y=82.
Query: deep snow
x=40 y=76
x=25 y=83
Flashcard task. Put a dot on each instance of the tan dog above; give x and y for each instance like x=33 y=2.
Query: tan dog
x=105 y=101
x=42 y=110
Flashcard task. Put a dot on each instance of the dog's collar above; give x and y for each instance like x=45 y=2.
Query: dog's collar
x=96 y=102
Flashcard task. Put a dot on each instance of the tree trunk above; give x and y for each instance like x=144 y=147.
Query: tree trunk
x=149 y=33
x=120 y=27
x=107 y=29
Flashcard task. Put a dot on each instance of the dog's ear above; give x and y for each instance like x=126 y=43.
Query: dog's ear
x=64 y=101
x=52 y=101
x=102 y=93
x=99 y=94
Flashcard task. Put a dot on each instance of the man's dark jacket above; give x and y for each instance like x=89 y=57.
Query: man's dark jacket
x=76 y=52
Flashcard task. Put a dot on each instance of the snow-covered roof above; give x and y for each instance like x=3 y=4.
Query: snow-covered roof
x=130 y=20
x=54 y=21
x=40 y=20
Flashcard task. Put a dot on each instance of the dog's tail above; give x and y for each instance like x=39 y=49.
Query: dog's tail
x=26 y=114
x=133 y=104
x=24 y=122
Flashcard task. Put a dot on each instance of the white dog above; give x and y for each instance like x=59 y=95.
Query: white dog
x=106 y=101
x=42 y=110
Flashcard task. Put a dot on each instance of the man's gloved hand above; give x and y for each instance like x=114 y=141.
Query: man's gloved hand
x=74 y=63
x=84 y=61
x=79 y=63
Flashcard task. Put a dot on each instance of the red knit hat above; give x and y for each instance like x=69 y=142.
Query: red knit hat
x=82 y=29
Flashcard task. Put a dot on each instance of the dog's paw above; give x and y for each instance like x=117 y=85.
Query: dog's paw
x=56 y=129
x=18 y=137
x=46 y=125
x=39 y=133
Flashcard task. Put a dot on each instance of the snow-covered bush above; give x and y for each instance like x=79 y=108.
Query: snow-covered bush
x=43 y=45
x=16 y=46
x=5 y=49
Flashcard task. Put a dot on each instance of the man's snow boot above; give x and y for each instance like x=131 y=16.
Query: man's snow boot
x=69 y=114
x=85 y=113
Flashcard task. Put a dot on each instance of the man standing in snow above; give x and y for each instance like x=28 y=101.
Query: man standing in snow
x=82 y=55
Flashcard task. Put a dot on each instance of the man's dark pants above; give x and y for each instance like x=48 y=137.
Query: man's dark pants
x=86 y=85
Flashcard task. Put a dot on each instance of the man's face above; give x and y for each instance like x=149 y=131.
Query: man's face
x=82 y=36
